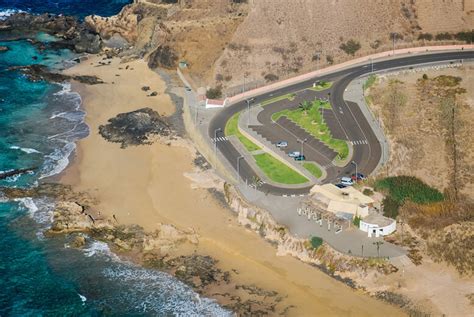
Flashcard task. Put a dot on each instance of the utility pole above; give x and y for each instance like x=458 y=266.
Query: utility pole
x=401 y=226
x=238 y=167
x=215 y=142
x=354 y=163
x=196 y=117
x=393 y=40
x=248 y=110
x=302 y=143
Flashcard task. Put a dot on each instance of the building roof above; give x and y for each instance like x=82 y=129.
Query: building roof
x=377 y=219
x=346 y=195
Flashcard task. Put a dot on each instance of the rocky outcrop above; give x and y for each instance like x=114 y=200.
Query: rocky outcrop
x=135 y=128
x=3 y=49
x=37 y=72
x=72 y=33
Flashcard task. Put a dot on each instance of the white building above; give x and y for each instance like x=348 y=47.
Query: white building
x=348 y=203
x=377 y=225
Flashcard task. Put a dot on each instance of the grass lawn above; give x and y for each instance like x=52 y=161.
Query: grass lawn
x=314 y=124
x=277 y=171
x=322 y=85
x=313 y=169
x=289 y=96
x=231 y=128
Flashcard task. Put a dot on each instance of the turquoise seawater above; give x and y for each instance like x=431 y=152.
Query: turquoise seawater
x=41 y=276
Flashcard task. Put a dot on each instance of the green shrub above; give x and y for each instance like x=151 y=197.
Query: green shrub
x=467 y=37
x=425 y=36
x=330 y=59
x=368 y=192
x=443 y=36
x=316 y=242
x=402 y=188
x=356 y=221
x=350 y=47
x=425 y=77
x=214 y=93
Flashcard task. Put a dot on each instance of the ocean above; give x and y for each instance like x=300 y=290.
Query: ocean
x=39 y=125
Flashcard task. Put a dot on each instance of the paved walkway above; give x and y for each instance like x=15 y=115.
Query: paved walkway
x=349 y=240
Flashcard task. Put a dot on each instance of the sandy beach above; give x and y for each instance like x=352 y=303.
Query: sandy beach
x=146 y=185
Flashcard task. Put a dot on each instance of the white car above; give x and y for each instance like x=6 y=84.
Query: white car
x=294 y=154
x=347 y=181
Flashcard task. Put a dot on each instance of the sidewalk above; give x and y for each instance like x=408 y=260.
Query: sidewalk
x=374 y=57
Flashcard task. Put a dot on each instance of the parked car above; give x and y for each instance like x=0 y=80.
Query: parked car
x=294 y=154
x=358 y=177
x=282 y=144
x=341 y=185
x=300 y=158
x=347 y=181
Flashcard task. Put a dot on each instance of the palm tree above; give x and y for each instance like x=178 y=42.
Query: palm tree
x=305 y=106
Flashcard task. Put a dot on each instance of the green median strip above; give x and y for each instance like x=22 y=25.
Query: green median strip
x=313 y=169
x=278 y=171
x=308 y=116
x=289 y=96
x=232 y=128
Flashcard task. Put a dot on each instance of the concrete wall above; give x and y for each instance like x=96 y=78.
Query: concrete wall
x=380 y=231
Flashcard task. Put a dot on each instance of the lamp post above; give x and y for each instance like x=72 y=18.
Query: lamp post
x=355 y=164
x=378 y=244
x=215 y=141
x=248 y=110
x=238 y=167
x=302 y=143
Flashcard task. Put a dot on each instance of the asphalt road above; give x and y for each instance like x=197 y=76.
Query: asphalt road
x=366 y=154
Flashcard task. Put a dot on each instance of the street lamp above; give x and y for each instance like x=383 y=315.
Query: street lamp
x=354 y=163
x=302 y=148
x=378 y=244
x=248 y=110
x=238 y=167
x=215 y=141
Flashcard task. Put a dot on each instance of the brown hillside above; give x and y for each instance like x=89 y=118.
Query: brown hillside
x=226 y=40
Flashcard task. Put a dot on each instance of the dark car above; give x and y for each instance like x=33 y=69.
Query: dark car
x=341 y=185
x=300 y=158
x=358 y=177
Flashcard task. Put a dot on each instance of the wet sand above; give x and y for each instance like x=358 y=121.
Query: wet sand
x=145 y=185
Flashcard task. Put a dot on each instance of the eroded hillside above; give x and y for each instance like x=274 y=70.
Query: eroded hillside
x=227 y=42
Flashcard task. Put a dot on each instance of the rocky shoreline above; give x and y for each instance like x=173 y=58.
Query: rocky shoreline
x=76 y=218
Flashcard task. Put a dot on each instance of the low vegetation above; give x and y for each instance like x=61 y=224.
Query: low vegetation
x=350 y=47
x=370 y=81
x=404 y=188
x=232 y=128
x=321 y=85
x=214 y=93
x=278 y=171
x=316 y=242
x=313 y=169
x=308 y=116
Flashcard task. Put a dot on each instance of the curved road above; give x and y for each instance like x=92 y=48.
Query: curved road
x=349 y=115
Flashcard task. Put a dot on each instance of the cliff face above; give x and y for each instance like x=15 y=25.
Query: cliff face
x=224 y=41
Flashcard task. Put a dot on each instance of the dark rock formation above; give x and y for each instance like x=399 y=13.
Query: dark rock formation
x=135 y=128
x=163 y=56
x=14 y=172
x=73 y=34
x=38 y=72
